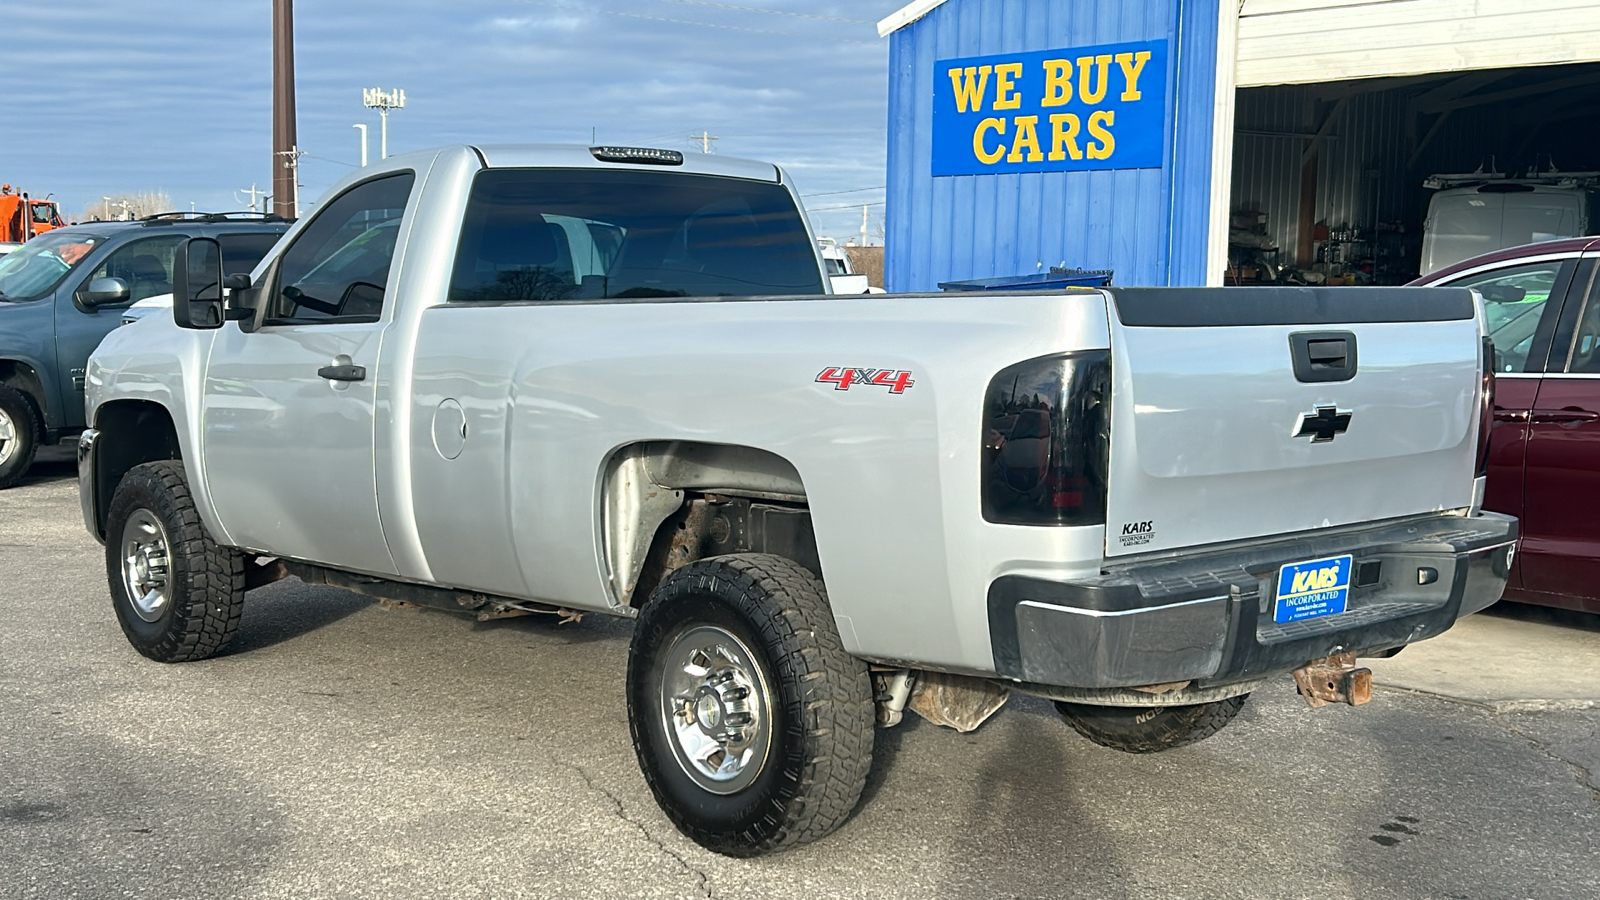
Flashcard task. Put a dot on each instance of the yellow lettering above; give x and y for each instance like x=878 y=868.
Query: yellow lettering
x=1064 y=137
x=1005 y=90
x=969 y=84
x=1027 y=136
x=1090 y=91
x=1300 y=579
x=1132 y=67
x=1100 y=121
x=978 y=150
x=1057 y=82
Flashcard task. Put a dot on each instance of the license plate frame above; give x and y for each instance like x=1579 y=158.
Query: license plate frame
x=1323 y=589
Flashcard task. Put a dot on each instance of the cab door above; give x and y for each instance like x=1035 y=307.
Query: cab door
x=1560 y=550
x=289 y=409
x=1522 y=303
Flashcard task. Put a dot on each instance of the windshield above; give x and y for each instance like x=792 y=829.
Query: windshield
x=34 y=269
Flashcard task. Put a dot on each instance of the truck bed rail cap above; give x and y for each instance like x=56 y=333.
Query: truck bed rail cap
x=1212 y=307
x=577 y=156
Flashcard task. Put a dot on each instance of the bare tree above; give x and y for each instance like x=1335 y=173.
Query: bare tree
x=127 y=206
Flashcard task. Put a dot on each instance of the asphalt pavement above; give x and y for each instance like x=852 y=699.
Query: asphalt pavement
x=342 y=750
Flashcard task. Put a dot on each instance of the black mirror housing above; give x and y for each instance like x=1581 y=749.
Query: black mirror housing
x=103 y=292
x=197 y=284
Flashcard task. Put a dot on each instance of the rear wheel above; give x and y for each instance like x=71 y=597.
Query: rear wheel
x=177 y=595
x=753 y=726
x=19 y=435
x=1149 y=729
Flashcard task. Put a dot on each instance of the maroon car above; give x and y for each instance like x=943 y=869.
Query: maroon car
x=1543 y=306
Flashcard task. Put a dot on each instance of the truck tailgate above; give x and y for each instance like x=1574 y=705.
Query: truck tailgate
x=1217 y=437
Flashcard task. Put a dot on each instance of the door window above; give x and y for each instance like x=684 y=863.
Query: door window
x=144 y=265
x=337 y=269
x=1514 y=301
x=1583 y=355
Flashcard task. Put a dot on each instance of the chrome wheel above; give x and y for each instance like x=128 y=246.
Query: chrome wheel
x=717 y=709
x=146 y=565
x=8 y=437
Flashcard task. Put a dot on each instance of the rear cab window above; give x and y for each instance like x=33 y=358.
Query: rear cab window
x=595 y=234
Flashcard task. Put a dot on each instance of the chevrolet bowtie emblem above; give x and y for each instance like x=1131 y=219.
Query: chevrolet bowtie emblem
x=1323 y=424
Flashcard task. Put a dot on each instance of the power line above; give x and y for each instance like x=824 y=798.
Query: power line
x=853 y=191
x=628 y=15
x=844 y=206
x=775 y=12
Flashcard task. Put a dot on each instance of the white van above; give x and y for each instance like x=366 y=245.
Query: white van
x=1465 y=221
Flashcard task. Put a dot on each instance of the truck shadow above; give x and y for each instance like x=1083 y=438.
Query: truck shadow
x=52 y=464
x=289 y=609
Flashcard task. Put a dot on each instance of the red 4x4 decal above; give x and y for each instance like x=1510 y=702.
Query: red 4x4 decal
x=841 y=377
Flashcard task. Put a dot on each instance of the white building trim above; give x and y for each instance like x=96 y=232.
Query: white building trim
x=906 y=15
x=1222 y=143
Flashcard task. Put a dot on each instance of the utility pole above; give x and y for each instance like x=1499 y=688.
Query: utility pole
x=285 y=155
x=251 y=190
x=705 y=138
x=291 y=162
x=363 y=127
x=863 y=224
x=383 y=101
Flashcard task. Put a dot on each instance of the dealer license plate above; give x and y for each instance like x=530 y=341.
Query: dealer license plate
x=1307 y=590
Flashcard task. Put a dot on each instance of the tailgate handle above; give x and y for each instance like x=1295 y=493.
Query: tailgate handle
x=1323 y=355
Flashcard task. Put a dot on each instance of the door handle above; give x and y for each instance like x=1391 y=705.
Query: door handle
x=1511 y=415
x=343 y=373
x=1564 y=415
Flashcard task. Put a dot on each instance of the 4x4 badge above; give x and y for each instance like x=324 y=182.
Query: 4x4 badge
x=1322 y=424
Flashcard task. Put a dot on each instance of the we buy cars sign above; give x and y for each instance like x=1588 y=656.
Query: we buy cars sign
x=1099 y=107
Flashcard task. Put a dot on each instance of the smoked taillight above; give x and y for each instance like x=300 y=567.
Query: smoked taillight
x=1486 y=407
x=1046 y=441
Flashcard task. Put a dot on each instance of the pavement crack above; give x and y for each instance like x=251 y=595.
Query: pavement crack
x=622 y=813
x=1585 y=778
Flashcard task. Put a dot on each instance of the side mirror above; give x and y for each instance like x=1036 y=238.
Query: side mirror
x=849 y=284
x=197 y=284
x=103 y=292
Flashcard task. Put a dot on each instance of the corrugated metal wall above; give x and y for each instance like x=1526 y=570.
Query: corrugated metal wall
x=1133 y=221
x=1361 y=164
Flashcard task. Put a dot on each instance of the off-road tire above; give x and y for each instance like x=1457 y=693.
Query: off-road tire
x=822 y=716
x=25 y=427
x=1149 y=729
x=207 y=581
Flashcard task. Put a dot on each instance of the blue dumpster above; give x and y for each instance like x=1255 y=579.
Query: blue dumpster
x=1041 y=281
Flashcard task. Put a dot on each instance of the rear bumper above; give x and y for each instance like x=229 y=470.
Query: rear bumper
x=1206 y=618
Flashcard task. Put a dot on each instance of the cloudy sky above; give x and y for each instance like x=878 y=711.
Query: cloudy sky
x=125 y=96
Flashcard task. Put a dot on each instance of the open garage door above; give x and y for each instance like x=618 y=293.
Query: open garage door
x=1311 y=41
x=1377 y=180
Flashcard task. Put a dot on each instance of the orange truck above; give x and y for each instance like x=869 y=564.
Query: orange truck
x=22 y=218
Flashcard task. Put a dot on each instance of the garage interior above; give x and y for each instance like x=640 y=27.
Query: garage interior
x=1329 y=178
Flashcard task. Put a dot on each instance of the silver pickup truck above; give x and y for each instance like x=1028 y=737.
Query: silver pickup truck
x=536 y=379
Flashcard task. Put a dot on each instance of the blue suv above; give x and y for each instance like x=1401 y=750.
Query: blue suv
x=63 y=291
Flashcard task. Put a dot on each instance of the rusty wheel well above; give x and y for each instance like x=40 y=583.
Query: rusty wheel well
x=132 y=432
x=669 y=503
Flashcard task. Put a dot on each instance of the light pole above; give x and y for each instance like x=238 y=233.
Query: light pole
x=363 y=127
x=108 y=208
x=383 y=101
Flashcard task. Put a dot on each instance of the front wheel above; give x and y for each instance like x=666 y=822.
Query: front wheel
x=1149 y=729
x=177 y=595
x=19 y=436
x=752 y=725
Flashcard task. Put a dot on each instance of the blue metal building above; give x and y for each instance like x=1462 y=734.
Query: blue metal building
x=996 y=162
x=1101 y=134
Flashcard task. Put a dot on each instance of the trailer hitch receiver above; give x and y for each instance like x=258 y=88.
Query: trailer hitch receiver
x=1334 y=679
